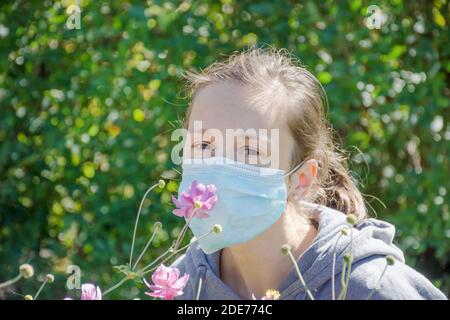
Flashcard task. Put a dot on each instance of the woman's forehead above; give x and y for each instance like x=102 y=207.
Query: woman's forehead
x=228 y=105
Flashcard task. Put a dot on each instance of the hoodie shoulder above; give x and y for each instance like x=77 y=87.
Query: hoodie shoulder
x=372 y=276
x=182 y=263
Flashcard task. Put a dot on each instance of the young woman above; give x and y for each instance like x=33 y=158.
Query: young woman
x=304 y=202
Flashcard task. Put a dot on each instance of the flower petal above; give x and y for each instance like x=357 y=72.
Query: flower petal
x=182 y=212
x=146 y=283
x=88 y=291
x=181 y=282
x=174 y=274
x=201 y=214
x=209 y=203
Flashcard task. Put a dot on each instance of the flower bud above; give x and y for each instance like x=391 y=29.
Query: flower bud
x=347 y=257
x=272 y=294
x=351 y=219
x=132 y=275
x=285 y=249
x=390 y=260
x=50 y=278
x=157 y=225
x=28 y=297
x=161 y=183
x=26 y=270
x=217 y=228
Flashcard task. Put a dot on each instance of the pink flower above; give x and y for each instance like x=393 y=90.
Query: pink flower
x=196 y=202
x=167 y=283
x=89 y=292
x=271 y=294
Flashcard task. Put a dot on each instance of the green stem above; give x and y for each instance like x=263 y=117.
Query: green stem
x=189 y=244
x=333 y=291
x=137 y=221
x=183 y=231
x=350 y=261
x=146 y=246
x=347 y=278
x=117 y=285
x=300 y=275
x=40 y=289
x=145 y=271
x=156 y=260
x=378 y=283
x=173 y=249
x=162 y=262
x=10 y=282
x=344 y=266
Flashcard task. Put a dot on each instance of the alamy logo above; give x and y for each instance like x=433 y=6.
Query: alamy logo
x=376 y=17
x=74 y=17
x=74 y=280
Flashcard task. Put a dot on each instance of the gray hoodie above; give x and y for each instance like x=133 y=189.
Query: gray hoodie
x=372 y=242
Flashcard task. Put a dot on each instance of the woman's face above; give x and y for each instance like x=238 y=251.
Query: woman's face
x=229 y=105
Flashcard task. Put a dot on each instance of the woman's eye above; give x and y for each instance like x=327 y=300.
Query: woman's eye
x=202 y=145
x=251 y=152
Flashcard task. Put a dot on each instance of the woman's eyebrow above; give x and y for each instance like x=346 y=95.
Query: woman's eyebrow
x=261 y=139
x=198 y=131
x=197 y=134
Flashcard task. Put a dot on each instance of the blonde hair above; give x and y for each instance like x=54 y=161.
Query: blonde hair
x=276 y=70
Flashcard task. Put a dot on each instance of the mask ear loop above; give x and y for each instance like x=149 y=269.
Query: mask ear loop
x=293 y=170
x=301 y=203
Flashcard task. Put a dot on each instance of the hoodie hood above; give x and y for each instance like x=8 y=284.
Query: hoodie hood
x=371 y=238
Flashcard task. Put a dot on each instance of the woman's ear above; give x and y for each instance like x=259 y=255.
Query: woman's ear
x=303 y=179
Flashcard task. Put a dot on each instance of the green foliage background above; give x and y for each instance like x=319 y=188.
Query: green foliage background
x=86 y=117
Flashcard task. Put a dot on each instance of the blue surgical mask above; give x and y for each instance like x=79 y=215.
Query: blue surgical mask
x=250 y=200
